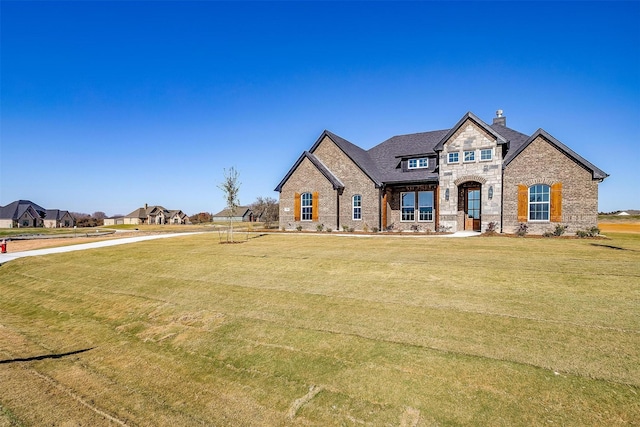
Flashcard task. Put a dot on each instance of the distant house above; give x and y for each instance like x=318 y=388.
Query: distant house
x=242 y=214
x=25 y=213
x=472 y=176
x=156 y=215
x=55 y=218
x=114 y=220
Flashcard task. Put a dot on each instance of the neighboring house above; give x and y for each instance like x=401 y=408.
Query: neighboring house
x=114 y=220
x=156 y=215
x=25 y=213
x=242 y=214
x=55 y=218
x=462 y=178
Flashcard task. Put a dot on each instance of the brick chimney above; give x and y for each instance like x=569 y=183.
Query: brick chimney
x=500 y=119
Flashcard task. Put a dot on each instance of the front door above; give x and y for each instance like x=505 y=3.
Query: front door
x=472 y=209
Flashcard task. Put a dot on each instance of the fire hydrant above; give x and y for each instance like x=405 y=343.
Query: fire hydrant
x=3 y=246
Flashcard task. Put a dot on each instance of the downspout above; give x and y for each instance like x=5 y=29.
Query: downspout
x=501 y=199
x=380 y=200
x=337 y=209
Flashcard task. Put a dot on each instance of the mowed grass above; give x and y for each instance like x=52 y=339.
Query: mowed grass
x=301 y=329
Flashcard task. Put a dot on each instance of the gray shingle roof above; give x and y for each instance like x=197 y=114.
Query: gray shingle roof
x=388 y=154
x=596 y=173
x=382 y=163
x=241 y=211
x=359 y=156
x=15 y=210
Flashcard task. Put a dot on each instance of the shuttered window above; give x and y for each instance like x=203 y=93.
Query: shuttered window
x=539 y=198
x=306 y=206
x=540 y=202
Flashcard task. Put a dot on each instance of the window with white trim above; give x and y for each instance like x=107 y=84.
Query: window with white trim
x=425 y=206
x=306 y=206
x=356 y=203
x=453 y=157
x=418 y=163
x=539 y=202
x=470 y=156
x=408 y=206
x=486 y=154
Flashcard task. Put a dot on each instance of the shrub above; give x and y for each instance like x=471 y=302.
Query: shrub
x=320 y=227
x=351 y=229
x=443 y=229
x=345 y=228
x=375 y=229
x=329 y=230
x=299 y=228
x=590 y=232
x=522 y=229
x=560 y=229
x=491 y=227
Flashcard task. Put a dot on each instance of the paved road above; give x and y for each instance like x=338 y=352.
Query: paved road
x=83 y=246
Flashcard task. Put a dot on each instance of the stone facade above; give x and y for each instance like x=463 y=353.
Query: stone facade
x=487 y=173
x=542 y=163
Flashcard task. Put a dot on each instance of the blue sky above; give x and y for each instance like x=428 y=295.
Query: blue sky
x=106 y=106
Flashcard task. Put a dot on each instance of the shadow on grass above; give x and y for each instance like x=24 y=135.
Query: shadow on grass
x=611 y=247
x=45 y=356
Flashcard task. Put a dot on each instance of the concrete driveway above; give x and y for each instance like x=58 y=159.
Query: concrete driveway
x=84 y=246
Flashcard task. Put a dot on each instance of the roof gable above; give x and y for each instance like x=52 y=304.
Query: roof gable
x=335 y=182
x=241 y=211
x=16 y=209
x=470 y=116
x=596 y=173
x=357 y=155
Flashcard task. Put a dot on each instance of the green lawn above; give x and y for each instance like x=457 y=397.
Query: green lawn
x=302 y=329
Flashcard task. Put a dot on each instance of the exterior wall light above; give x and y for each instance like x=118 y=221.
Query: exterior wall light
x=491 y=192
x=446 y=194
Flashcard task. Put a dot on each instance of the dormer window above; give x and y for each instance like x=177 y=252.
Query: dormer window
x=420 y=163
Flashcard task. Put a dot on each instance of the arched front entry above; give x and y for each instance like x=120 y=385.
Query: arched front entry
x=469 y=202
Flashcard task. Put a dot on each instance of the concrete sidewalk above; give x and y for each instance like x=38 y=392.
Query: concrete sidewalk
x=84 y=246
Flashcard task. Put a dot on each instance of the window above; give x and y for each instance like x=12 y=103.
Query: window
x=425 y=206
x=470 y=156
x=408 y=206
x=486 y=154
x=418 y=163
x=306 y=205
x=539 y=202
x=356 y=202
x=453 y=158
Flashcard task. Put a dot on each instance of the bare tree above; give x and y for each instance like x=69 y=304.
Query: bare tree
x=266 y=208
x=231 y=187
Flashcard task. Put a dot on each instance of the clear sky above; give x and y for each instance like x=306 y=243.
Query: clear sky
x=106 y=106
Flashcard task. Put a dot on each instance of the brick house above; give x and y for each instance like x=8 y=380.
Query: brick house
x=463 y=178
